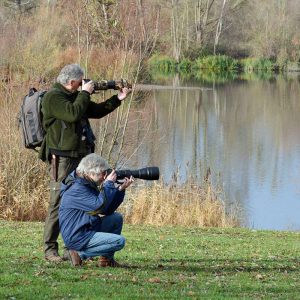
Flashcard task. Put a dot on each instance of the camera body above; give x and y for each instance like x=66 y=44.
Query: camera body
x=148 y=173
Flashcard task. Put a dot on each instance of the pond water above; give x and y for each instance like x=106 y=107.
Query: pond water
x=246 y=132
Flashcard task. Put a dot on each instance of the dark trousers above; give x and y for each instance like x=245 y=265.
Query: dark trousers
x=64 y=166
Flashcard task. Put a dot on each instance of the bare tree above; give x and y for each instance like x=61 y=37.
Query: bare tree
x=219 y=26
x=202 y=12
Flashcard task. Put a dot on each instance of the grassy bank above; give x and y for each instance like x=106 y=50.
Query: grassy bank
x=213 y=63
x=217 y=68
x=163 y=263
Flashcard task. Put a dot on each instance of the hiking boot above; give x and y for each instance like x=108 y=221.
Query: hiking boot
x=74 y=257
x=108 y=262
x=53 y=257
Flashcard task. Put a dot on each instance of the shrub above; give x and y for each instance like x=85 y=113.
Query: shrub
x=251 y=64
x=162 y=63
x=217 y=63
x=184 y=66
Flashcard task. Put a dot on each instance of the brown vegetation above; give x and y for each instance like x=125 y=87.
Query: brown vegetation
x=187 y=205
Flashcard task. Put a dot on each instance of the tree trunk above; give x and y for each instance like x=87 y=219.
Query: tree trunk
x=219 y=27
x=141 y=19
x=202 y=11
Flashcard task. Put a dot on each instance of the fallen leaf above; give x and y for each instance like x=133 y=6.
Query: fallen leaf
x=154 y=280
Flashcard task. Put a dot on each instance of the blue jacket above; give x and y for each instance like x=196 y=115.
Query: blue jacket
x=81 y=204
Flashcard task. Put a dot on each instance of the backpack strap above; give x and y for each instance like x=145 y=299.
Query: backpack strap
x=32 y=91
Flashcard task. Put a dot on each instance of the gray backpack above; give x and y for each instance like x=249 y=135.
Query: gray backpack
x=30 y=119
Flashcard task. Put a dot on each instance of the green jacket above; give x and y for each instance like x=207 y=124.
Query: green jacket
x=63 y=113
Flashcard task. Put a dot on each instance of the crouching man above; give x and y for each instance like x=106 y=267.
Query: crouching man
x=86 y=193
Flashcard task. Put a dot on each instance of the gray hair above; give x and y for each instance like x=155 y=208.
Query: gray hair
x=70 y=72
x=92 y=163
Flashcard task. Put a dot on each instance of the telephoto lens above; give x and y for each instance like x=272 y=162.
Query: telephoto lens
x=148 y=173
x=104 y=85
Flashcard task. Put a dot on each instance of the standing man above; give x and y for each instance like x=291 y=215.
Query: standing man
x=69 y=138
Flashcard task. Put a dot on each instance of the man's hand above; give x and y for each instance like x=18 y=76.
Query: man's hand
x=123 y=93
x=112 y=176
x=127 y=182
x=88 y=87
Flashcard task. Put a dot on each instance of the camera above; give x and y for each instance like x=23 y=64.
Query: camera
x=103 y=85
x=148 y=173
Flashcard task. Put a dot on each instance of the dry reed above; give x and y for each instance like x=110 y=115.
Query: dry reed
x=188 y=205
x=23 y=179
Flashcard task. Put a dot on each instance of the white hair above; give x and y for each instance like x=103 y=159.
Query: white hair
x=70 y=72
x=92 y=163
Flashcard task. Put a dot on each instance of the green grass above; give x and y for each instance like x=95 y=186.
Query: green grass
x=217 y=63
x=162 y=63
x=250 y=64
x=163 y=263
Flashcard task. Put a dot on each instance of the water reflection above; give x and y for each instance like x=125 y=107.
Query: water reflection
x=246 y=131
